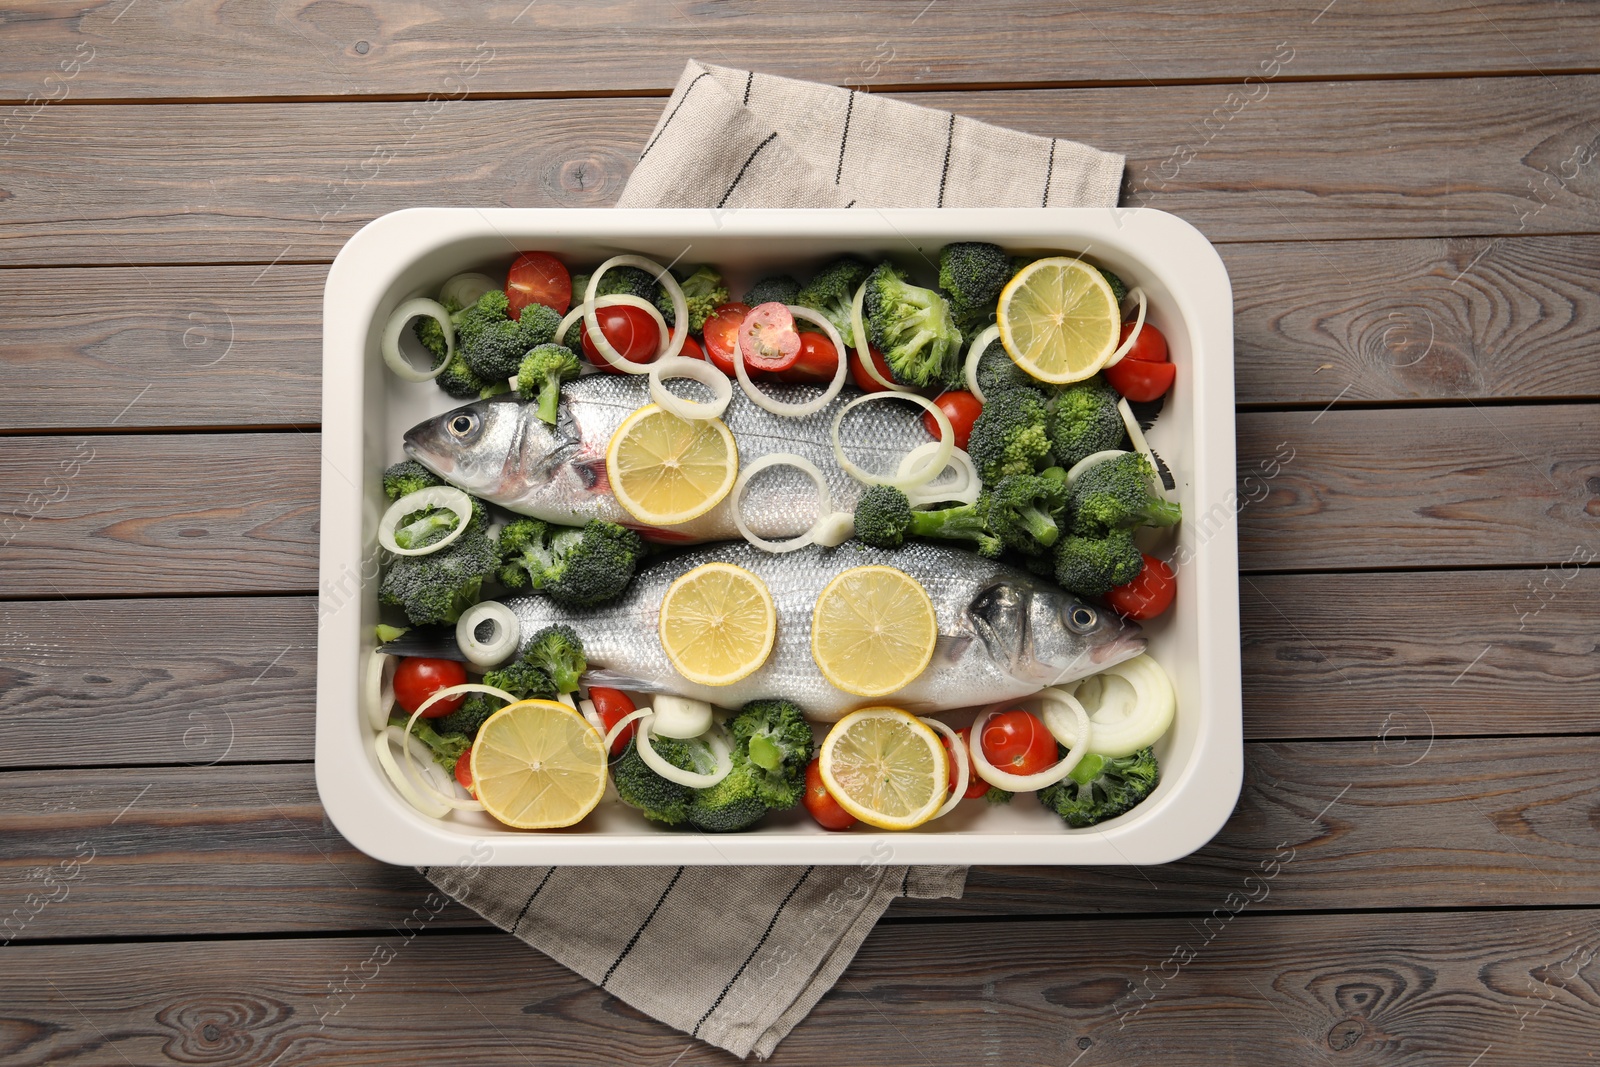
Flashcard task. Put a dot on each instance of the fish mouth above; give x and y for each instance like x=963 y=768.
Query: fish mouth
x=1123 y=647
x=415 y=445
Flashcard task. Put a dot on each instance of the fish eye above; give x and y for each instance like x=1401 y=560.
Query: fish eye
x=462 y=425
x=1082 y=618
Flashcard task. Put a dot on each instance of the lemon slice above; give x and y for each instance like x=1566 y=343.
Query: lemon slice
x=717 y=624
x=666 y=470
x=538 y=764
x=1059 y=320
x=873 y=630
x=885 y=767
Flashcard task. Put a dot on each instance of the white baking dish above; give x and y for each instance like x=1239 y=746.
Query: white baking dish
x=366 y=409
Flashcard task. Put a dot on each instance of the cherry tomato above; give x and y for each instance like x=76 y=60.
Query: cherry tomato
x=1151 y=346
x=976 y=786
x=817 y=362
x=631 y=331
x=864 y=381
x=416 y=679
x=768 y=339
x=692 y=349
x=538 y=278
x=820 y=802
x=1144 y=373
x=961 y=408
x=464 y=771
x=612 y=705
x=1147 y=595
x=721 y=335
x=1017 y=742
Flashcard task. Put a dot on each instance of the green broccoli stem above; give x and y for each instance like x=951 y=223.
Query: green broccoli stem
x=964 y=523
x=765 y=754
x=426 y=530
x=1164 y=513
x=550 y=398
x=1041 y=526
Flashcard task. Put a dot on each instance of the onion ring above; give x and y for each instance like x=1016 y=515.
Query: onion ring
x=969 y=369
x=609 y=354
x=465 y=289
x=378 y=688
x=1025 y=783
x=390 y=345
x=434 y=496
x=402 y=784
x=959 y=747
x=1135 y=293
x=503 y=643
x=693 y=780
x=697 y=370
x=919 y=476
x=809 y=469
x=422 y=780
x=817 y=403
x=966 y=487
x=680 y=311
x=611 y=735
x=864 y=350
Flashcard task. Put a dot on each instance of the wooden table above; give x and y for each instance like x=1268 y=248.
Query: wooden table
x=1407 y=199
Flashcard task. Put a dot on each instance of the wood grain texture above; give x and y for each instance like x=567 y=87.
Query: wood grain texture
x=199 y=346
x=200 y=48
x=1363 y=825
x=198 y=512
x=1377 y=990
x=1438 y=488
x=1300 y=161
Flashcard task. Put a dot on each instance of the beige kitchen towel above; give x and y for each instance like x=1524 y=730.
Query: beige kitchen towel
x=736 y=956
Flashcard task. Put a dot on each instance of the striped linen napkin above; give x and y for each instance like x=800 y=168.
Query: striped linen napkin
x=736 y=956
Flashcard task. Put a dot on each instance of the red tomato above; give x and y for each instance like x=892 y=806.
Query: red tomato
x=864 y=381
x=961 y=408
x=1017 y=742
x=820 y=802
x=1147 y=595
x=415 y=680
x=631 y=331
x=768 y=339
x=538 y=278
x=464 y=771
x=721 y=335
x=1144 y=373
x=612 y=705
x=976 y=786
x=1151 y=347
x=817 y=362
x=692 y=349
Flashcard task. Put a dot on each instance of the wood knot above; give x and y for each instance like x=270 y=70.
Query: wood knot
x=1345 y=1034
x=223 y=1028
x=590 y=180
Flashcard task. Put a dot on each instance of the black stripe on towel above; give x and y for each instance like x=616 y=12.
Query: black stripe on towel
x=634 y=940
x=664 y=125
x=770 y=138
x=1048 y=171
x=949 y=139
x=523 y=914
x=765 y=934
x=838 y=171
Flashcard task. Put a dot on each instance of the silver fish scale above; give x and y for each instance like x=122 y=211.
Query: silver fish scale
x=622 y=637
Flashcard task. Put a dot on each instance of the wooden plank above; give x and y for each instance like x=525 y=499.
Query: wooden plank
x=202 y=49
x=1426 y=488
x=1301 y=161
x=192 y=513
x=1260 y=989
x=200 y=346
x=1353 y=825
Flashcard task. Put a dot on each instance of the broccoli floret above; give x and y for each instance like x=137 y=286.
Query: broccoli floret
x=473 y=713
x=884 y=518
x=659 y=799
x=438 y=587
x=972 y=273
x=1093 y=566
x=1009 y=436
x=522 y=679
x=537 y=326
x=431 y=334
x=1083 y=419
x=776 y=738
x=580 y=286
x=406 y=477
x=490 y=310
x=777 y=288
x=559 y=653
x=1102 y=787
x=1118 y=493
x=627 y=281
x=1023 y=510
x=832 y=292
x=913 y=328
x=575 y=567
x=703 y=291
x=495 y=351
x=446 y=748
x=997 y=371
x=459 y=381
x=541 y=374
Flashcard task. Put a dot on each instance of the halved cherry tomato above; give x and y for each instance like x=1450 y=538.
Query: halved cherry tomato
x=961 y=408
x=416 y=679
x=1017 y=742
x=820 y=803
x=976 y=786
x=612 y=705
x=1148 y=595
x=864 y=381
x=721 y=335
x=631 y=331
x=1144 y=373
x=768 y=339
x=538 y=278
x=817 y=362
x=464 y=771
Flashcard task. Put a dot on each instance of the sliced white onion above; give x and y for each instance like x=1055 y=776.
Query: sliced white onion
x=1141 y=446
x=439 y=797
x=960 y=749
x=698 y=370
x=465 y=687
x=1136 y=294
x=969 y=369
x=1091 y=460
x=816 y=403
x=831 y=531
x=1124 y=727
x=502 y=643
x=965 y=487
x=587 y=710
x=1022 y=783
x=806 y=467
x=919 y=476
x=566 y=698
x=465 y=289
x=615 y=732
x=434 y=496
x=390 y=344
x=863 y=350
x=718 y=742
x=680 y=717
x=377 y=690
x=1059 y=711
x=381 y=743
x=680 y=312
